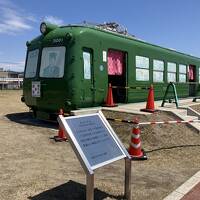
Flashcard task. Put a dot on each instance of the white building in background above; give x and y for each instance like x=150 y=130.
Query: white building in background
x=10 y=79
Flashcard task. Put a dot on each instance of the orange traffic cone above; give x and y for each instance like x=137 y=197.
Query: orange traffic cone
x=150 y=101
x=61 y=134
x=135 y=150
x=109 y=99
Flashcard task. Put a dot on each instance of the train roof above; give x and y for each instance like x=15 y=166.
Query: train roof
x=113 y=29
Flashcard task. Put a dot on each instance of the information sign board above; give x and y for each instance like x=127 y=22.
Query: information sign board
x=93 y=140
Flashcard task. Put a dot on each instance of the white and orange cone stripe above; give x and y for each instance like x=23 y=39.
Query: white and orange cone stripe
x=61 y=134
x=135 y=145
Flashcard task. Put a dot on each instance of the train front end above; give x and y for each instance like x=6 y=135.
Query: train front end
x=46 y=83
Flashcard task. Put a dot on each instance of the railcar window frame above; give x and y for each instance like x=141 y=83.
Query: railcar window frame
x=60 y=67
x=142 y=68
x=171 y=70
x=87 y=68
x=35 y=64
x=157 y=68
x=182 y=73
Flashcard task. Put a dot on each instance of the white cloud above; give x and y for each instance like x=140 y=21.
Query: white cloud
x=13 y=19
x=13 y=66
x=53 y=20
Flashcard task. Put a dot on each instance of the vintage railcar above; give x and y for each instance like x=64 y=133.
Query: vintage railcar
x=70 y=67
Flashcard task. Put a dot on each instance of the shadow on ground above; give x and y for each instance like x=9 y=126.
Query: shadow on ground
x=71 y=191
x=28 y=119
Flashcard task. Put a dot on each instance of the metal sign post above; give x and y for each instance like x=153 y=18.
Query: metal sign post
x=127 y=184
x=95 y=144
x=90 y=187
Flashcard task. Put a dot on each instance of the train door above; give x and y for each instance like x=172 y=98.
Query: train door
x=117 y=74
x=50 y=80
x=192 y=79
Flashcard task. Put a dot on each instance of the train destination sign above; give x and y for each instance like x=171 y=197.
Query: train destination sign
x=93 y=140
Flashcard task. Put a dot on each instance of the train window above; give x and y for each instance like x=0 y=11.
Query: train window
x=52 y=62
x=115 y=62
x=171 y=72
x=158 y=70
x=142 y=68
x=31 y=64
x=182 y=73
x=87 y=65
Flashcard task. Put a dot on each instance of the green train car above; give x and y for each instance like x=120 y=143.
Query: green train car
x=71 y=66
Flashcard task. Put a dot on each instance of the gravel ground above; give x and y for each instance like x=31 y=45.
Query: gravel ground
x=34 y=167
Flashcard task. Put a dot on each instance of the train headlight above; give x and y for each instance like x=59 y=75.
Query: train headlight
x=46 y=27
x=43 y=27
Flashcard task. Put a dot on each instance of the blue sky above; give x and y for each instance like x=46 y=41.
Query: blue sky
x=170 y=23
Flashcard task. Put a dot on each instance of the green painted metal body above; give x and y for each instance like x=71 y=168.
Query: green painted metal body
x=72 y=91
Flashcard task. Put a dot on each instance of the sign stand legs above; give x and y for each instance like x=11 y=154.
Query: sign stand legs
x=127 y=184
x=90 y=187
